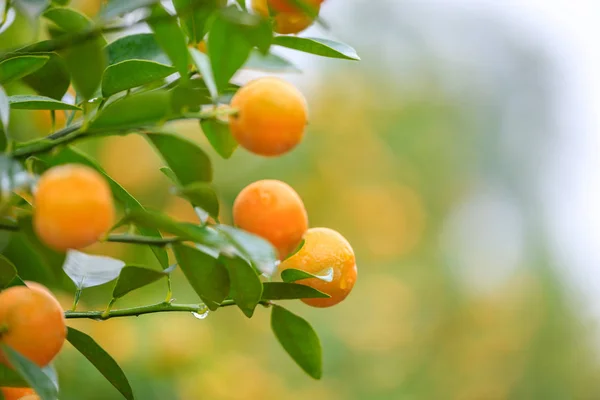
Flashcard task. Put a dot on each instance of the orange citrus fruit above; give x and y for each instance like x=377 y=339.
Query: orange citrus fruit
x=32 y=323
x=288 y=19
x=73 y=207
x=274 y=211
x=325 y=248
x=18 y=393
x=271 y=116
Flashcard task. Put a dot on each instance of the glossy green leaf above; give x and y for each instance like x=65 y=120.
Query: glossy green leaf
x=52 y=79
x=219 y=136
x=254 y=248
x=11 y=378
x=206 y=274
x=185 y=158
x=194 y=14
x=269 y=63
x=133 y=277
x=202 y=195
x=32 y=374
x=317 y=46
x=115 y=8
x=202 y=63
x=4 y=109
x=290 y=291
x=100 y=359
x=132 y=73
x=32 y=8
x=141 y=46
x=170 y=38
x=134 y=111
x=18 y=67
x=86 y=270
x=298 y=339
x=229 y=46
x=85 y=60
x=246 y=287
x=25 y=102
x=8 y=272
x=293 y=275
x=68 y=155
x=190 y=97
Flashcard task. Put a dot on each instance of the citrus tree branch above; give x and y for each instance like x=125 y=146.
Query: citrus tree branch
x=138 y=239
x=137 y=311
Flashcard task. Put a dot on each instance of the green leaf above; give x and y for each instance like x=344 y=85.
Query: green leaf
x=32 y=8
x=25 y=102
x=20 y=66
x=116 y=8
x=101 y=360
x=10 y=378
x=257 y=250
x=185 y=158
x=202 y=62
x=133 y=277
x=34 y=375
x=194 y=14
x=202 y=195
x=132 y=73
x=4 y=109
x=69 y=155
x=85 y=60
x=86 y=270
x=190 y=96
x=298 y=339
x=318 y=46
x=230 y=42
x=134 y=111
x=290 y=291
x=8 y=272
x=269 y=63
x=53 y=79
x=205 y=273
x=169 y=36
x=219 y=137
x=142 y=46
x=246 y=287
x=293 y=275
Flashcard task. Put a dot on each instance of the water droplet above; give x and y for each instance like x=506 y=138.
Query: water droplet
x=200 y=316
x=326 y=275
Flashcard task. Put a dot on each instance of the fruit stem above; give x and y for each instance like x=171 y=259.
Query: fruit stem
x=169 y=290
x=106 y=312
x=76 y=299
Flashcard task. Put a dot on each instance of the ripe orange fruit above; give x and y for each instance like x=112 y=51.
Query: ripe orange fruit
x=32 y=323
x=73 y=207
x=325 y=248
x=18 y=393
x=271 y=118
x=290 y=6
x=272 y=210
x=288 y=19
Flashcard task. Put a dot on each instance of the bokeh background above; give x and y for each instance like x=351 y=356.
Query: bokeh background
x=460 y=159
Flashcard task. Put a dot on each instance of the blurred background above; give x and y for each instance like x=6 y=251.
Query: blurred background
x=460 y=158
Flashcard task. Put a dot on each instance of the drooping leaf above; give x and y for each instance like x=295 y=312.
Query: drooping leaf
x=246 y=287
x=269 y=63
x=26 y=102
x=219 y=136
x=141 y=109
x=202 y=195
x=202 y=62
x=293 y=275
x=100 y=359
x=35 y=376
x=232 y=36
x=185 y=158
x=132 y=73
x=194 y=14
x=4 y=109
x=85 y=60
x=253 y=248
x=298 y=339
x=317 y=46
x=133 y=277
x=170 y=37
x=18 y=67
x=290 y=291
x=206 y=274
x=87 y=270
x=141 y=46
x=69 y=155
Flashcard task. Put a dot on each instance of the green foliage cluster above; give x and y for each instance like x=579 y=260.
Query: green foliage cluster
x=134 y=85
